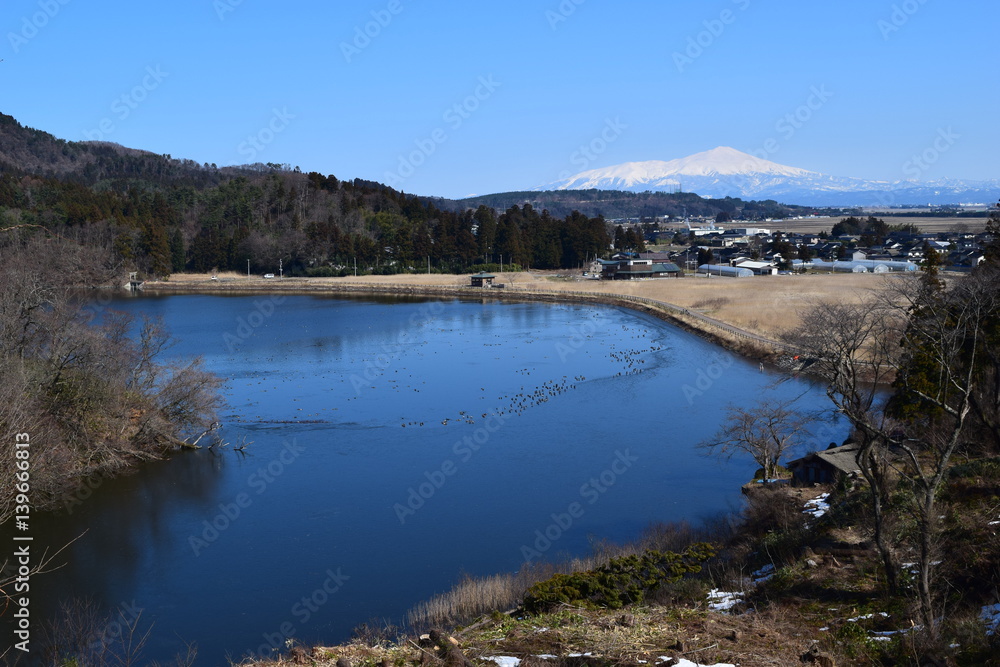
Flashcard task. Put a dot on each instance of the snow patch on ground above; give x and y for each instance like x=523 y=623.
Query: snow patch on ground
x=505 y=660
x=687 y=663
x=818 y=506
x=887 y=635
x=763 y=574
x=865 y=617
x=722 y=600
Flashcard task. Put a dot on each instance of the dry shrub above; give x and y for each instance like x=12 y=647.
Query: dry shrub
x=377 y=632
x=93 y=397
x=472 y=597
x=768 y=510
x=770 y=528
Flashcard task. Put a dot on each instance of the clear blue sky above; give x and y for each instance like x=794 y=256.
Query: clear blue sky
x=202 y=77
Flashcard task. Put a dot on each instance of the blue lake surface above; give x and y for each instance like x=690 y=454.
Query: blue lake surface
x=395 y=446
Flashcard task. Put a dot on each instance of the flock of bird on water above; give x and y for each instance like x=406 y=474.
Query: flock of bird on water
x=631 y=361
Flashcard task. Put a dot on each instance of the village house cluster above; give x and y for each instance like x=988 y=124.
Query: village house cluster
x=749 y=251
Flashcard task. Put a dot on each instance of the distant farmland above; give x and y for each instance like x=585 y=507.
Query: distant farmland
x=816 y=225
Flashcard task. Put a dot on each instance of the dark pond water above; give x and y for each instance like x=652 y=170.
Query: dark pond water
x=395 y=446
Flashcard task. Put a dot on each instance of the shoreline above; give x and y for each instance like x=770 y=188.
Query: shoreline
x=728 y=336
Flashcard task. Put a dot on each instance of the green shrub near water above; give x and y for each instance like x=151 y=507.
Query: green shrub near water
x=622 y=581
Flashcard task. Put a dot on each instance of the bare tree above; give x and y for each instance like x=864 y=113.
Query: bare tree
x=931 y=343
x=93 y=397
x=765 y=432
x=855 y=349
x=940 y=373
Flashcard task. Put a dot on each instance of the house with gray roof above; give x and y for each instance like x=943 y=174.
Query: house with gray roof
x=827 y=466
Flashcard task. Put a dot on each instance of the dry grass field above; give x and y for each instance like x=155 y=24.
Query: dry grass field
x=765 y=305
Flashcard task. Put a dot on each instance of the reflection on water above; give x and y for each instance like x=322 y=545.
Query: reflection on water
x=395 y=445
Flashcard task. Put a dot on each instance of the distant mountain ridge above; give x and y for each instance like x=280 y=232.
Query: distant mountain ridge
x=617 y=204
x=727 y=172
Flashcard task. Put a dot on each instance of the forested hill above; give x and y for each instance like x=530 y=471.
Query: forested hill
x=160 y=215
x=95 y=164
x=614 y=204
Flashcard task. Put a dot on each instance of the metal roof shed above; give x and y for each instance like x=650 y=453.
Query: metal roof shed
x=888 y=264
x=760 y=268
x=826 y=466
x=841 y=267
x=849 y=267
x=482 y=279
x=725 y=270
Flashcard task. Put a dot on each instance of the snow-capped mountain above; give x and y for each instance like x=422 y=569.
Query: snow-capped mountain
x=725 y=171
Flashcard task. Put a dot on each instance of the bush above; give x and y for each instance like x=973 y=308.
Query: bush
x=987 y=468
x=855 y=642
x=622 y=581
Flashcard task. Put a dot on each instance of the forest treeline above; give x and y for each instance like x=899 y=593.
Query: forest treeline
x=314 y=224
x=159 y=216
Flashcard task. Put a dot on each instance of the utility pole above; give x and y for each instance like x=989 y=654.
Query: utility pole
x=281 y=271
x=248 y=269
x=355 y=267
